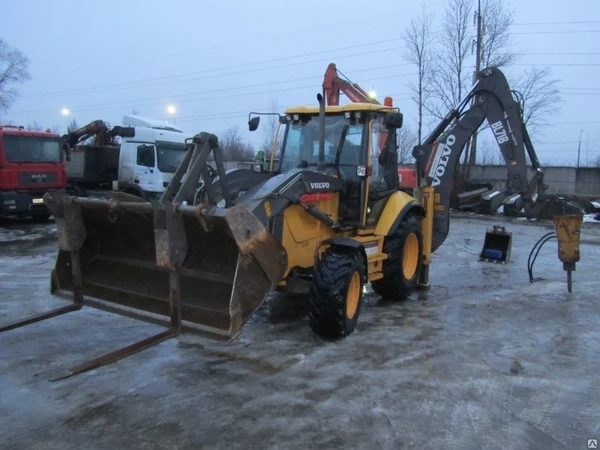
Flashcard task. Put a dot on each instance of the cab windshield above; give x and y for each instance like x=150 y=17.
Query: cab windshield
x=343 y=143
x=28 y=149
x=169 y=156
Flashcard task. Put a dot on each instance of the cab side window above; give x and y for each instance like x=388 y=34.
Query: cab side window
x=383 y=157
x=146 y=155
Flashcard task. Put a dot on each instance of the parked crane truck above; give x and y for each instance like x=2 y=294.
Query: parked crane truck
x=330 y=214
x=137 y=158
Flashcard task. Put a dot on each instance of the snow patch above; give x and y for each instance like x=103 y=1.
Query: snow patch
x=590 y=218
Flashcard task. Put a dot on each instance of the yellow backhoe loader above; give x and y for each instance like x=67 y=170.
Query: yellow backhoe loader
x=330 y=215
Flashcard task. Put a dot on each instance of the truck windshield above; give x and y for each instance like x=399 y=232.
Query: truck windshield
x=169 y=156
x=28 y=149
x=342 y=143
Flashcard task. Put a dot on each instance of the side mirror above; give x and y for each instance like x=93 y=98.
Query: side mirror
x=393 y=120
x=253 y=123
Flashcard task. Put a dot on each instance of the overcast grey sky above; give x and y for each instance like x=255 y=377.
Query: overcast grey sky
x=216 y=61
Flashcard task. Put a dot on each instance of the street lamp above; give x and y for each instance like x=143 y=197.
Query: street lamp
x=65 y=112
x=171 y=110
x=372 y=95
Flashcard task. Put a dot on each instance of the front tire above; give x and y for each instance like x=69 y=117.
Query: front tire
x=401 y=269
x=336 y=293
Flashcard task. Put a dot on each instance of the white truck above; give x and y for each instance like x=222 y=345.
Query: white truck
x=138 y=157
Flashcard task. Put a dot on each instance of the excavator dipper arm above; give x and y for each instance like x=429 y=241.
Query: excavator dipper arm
x=437 y=157
x=333 y=84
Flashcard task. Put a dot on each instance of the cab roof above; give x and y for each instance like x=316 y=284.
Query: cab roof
x=21 y=131
x=340 y=109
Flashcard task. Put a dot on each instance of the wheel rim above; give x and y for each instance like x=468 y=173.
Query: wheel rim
x=353 y=295
x=410 y=258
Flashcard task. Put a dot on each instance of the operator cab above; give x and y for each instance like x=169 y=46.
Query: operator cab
x=360 y=148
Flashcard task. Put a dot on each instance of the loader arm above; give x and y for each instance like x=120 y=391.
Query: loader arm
x=437 y=157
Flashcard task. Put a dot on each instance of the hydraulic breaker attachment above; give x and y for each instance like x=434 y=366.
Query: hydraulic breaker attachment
x=568 y=230
x=497 y=245
x=200 y=267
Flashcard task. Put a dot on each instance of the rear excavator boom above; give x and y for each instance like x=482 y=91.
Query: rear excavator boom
x=437 y=157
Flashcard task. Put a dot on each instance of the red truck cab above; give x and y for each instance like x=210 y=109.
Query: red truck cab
x=31 y=164
x=407 y=179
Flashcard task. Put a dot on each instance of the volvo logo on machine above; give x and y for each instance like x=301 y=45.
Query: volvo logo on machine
x=324 y=185
x=440 y=161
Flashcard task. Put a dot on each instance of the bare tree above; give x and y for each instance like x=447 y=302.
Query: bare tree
x=233 y=147
x=449 y=80
x=14 y=69
x=72 y=125
x=497 y=48
x=489 y=154
x=418 y=38
x=270 y=130
x=407 y=139
x=540 y=97
x=34 y=126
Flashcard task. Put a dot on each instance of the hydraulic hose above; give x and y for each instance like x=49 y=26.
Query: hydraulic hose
x=536 y=249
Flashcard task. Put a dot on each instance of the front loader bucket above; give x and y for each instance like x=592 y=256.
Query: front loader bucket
x=497 y=245
x=225 y=261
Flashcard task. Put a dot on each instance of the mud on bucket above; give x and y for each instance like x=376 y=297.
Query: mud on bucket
x=497 y=245
x=226 y=260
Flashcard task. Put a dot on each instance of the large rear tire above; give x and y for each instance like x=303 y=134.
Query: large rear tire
x=336 y=293
x=401 y=269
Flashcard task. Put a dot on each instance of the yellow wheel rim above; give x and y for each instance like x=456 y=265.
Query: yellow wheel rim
x=410 y=258
x=353 y=295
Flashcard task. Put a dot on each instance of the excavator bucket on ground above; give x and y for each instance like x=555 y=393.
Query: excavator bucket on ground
x=497 y=245
x=201 y=266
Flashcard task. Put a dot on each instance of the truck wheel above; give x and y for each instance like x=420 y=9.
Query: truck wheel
x=401 y=269
x=336 y=293
x=40 y=217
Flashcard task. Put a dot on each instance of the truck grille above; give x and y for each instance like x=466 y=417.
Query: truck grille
x=31 y=177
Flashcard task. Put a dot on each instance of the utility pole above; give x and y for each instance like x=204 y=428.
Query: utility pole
x=478 y=52
x=579 y=149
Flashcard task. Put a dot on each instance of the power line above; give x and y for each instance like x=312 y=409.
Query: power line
x=245 y=112
x=237 y=66
x=558 y=32
x=254 y=70
x=581 y=88
x=580 y=93
x=185 y=96
x=561 y=53
x=233 y=73
x=577 y=22
x=560 y=64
